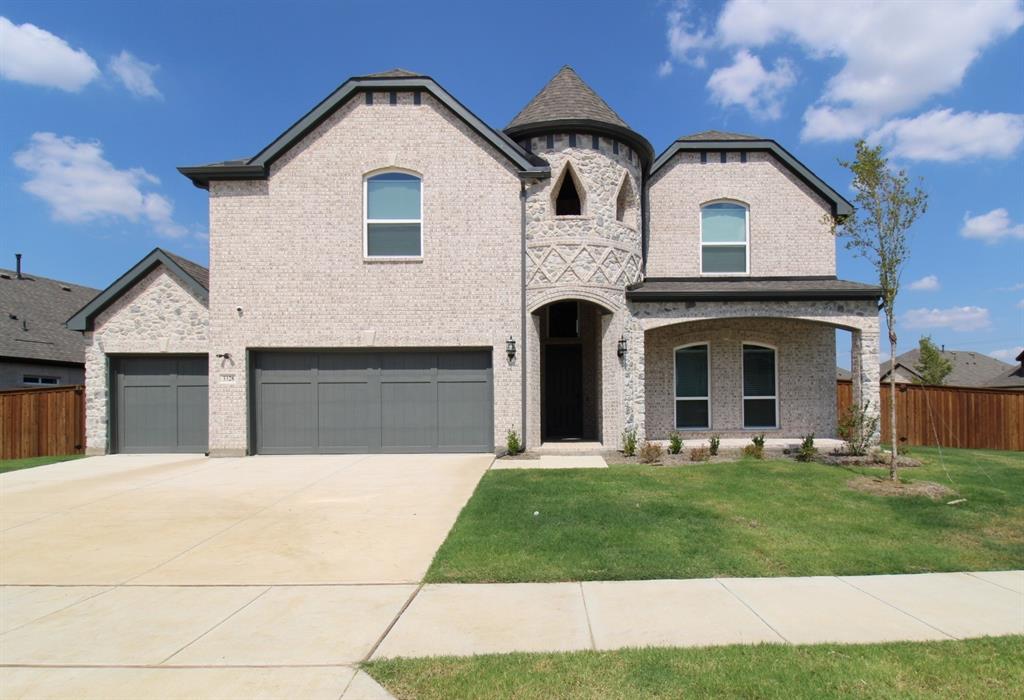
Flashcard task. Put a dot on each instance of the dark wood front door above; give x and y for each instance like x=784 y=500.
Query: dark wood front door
x=563 y=392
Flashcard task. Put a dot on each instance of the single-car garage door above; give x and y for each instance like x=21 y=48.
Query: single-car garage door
x=161 y=403
x=378 y=401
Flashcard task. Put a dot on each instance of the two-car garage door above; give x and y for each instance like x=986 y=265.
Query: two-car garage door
x=374 y=401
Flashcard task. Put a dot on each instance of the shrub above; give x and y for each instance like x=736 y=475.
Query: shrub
x=857 y=428
x=675 y=443
x=754 y=450
x=700 y=454
x=650 y=452
x=807 y=451
x=714 y=442
x=758 y=440
x=512 y=443
x=629 y=442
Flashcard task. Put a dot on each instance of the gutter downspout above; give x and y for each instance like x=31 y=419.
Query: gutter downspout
x=522 y=302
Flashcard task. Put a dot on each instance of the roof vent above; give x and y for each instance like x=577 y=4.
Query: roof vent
x=65 y=288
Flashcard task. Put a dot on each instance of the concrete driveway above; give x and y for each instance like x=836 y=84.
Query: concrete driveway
x=180 y=576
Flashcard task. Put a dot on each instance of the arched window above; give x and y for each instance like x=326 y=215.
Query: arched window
x=569 y=197
x=723 y=239
x=760 y=387
x=693 y=387
x=393 y=215
x=624 y=202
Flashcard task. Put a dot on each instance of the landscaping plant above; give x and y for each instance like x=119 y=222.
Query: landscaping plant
x=629 y=442
x=807 y=451
x=857 y=426
x=756 y=447
x=512 y=443
x=886 y=208
x=713 y=443
x=700 y=454
x=675 y=443
x=650 y=452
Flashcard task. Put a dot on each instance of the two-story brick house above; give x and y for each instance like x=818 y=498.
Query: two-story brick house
x=393 y=274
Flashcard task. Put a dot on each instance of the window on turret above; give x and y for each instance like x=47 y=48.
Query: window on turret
x=568 y=201
x=625 y=202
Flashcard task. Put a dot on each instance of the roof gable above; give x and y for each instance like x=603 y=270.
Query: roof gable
x=258 y=167
x=193 y=276
x=725 y=141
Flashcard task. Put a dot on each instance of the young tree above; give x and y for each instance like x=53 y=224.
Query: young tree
x=886 y=207
x=931 y=366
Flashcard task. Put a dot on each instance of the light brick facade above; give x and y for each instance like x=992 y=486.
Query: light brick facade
x=157 y=316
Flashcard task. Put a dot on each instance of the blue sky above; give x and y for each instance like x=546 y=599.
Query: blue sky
x=101 y=101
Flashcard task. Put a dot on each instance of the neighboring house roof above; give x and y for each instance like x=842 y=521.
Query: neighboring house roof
x=1013 y=378
x=34 y=309
x=258 y=167
x=568 y=103
x=192 y=275
x=969 y=368
x=844 y=375
x=720 y=141
x=749 y=288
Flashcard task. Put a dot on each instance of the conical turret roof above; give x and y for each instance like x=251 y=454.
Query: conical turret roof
x=566 y=96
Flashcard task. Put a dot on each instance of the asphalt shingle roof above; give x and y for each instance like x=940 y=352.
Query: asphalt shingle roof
x=196 y=271
x=969 y=368
x=566 y=96
x=34 y=311
x=714 y=135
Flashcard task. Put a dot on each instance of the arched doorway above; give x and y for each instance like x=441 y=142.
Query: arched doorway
x=570 y=370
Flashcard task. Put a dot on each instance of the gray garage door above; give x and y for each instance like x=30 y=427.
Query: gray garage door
x=160 y=403
x=380 y=401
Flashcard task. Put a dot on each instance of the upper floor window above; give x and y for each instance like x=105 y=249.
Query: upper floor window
x=693 y=397
x=569 y=194
x=723 y=239
x=394 y=216
x=760 y=392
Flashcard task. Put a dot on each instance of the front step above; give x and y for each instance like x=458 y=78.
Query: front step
x=568 y=447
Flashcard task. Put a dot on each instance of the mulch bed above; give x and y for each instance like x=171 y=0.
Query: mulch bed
x=885 y=487
x=870 y=460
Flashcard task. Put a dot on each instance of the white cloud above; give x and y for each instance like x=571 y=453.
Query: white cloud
x=1020 y=304
x=665 y=68
x=135 y=75
x=895 y=55
x=80 y=185
x=1006 y=354
x=32 y=55
x=991 y=227
x=957 y=318
x=687 y=43
x=746 y=83
x=929 y=283
x=945 y=135
x=1012 y=288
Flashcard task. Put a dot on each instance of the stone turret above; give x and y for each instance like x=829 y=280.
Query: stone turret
x=584 y=225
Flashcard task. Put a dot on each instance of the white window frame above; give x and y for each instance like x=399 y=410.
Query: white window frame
x=677 y=399
x=743 y=383
x=745 y=243
x=367 y=220
x=26 y=380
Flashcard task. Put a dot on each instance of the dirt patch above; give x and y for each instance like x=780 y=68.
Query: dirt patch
x=885 y=487
x=871 y=460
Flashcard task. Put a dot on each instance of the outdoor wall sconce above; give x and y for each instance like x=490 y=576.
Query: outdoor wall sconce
x=510 y=348
x=622 y=346
x=225 y=355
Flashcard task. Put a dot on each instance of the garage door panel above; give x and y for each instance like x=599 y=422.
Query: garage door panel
x=193 y=415
x=149 y=418
x=464 y=415
x=160 y=404
x=349 y=416
x=287 y=417
x=335 y=366
x=408 y=415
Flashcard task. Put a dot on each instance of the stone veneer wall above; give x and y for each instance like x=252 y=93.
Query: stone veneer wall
x=288 y=251
x=158 y=315
x=787 y=235
x=806 y=375
x=591 y=257
x=859 y=317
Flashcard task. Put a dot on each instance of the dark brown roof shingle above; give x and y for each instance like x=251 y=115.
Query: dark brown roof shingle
x=566 y=96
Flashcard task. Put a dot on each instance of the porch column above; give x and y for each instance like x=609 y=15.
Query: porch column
x=864 y=370
x=633 y=382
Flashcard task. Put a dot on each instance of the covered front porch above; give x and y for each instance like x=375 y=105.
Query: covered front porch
x=745 y=364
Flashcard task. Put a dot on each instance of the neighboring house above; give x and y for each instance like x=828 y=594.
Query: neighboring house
x=843 y=374
x=36 y=349
x=392 y=274
x=1013 y=378
x=970 y=369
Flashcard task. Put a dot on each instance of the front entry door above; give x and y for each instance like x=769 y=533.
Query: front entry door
x=563 y=392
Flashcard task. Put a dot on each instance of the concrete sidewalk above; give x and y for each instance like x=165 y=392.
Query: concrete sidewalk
x=464 y=619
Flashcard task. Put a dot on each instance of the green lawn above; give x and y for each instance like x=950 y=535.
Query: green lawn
x=978 y=668
x=748 y=518
x=13 y=465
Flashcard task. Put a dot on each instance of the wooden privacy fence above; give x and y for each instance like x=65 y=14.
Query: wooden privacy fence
x=42 y=422
x=950 y=416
